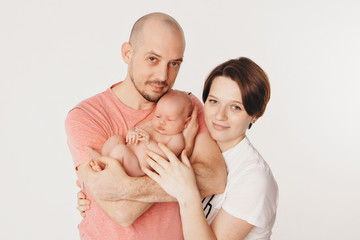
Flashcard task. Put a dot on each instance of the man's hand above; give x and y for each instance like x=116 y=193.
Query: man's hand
x=106 y=184
x=83 y=203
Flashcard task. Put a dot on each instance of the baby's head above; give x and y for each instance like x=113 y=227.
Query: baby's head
x=173 y=112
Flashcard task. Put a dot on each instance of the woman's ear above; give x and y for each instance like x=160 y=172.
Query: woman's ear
x=126 y=51
x=252 y=122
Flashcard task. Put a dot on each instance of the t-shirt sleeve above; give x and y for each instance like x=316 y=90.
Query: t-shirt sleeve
x=82 y=130
x=252 y=197
x=201 y=117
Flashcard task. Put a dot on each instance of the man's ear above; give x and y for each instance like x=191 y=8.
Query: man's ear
x=126 y=51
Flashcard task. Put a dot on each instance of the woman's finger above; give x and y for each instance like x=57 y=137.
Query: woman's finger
x=169 y=154
x=154 y=164
x=158 y=159
x=185 y=160
x=151 y=174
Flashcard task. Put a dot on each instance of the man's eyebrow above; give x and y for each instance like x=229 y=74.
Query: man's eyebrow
x=154 y=53
x=179 y=59
x=159 y=56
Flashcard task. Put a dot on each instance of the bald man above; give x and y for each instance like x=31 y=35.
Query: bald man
x=124 y=207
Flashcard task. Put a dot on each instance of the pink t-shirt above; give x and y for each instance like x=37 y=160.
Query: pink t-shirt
x=91 y=123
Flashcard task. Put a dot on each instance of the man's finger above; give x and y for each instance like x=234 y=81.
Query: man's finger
x=80 y=195
x=83 y=202
x=108 y=161
x=93 y=154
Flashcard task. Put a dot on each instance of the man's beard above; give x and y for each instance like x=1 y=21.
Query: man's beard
x=146 y=96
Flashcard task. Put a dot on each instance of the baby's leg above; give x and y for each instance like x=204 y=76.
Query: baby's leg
x=111 y=143
x=128 y=160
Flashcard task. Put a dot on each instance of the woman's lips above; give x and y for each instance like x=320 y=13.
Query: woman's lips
x=219 y=127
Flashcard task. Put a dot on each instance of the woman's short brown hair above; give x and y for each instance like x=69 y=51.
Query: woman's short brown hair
x=252 y=80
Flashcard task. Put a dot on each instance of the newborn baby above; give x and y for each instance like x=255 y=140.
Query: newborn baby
x=172 y=114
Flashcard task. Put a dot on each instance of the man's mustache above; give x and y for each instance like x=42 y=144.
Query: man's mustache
x=157 y=82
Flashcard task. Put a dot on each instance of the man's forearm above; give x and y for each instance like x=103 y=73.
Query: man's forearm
x=123 y=212
x=144 y=189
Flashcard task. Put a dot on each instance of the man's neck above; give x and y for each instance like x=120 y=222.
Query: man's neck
x=128 y=95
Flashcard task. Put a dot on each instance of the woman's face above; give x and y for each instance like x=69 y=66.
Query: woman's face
x=225 y=115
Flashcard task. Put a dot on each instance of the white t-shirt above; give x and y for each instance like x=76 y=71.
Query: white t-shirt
x=251 y=192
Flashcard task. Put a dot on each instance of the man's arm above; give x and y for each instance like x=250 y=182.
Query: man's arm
x=207 y=162
x=123 y=212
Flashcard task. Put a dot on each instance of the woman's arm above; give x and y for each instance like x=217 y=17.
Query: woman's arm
x=178 y=179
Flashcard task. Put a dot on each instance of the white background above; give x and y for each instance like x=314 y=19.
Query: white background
x=54 y=54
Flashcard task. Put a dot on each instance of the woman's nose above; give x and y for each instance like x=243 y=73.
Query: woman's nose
x=221 y=114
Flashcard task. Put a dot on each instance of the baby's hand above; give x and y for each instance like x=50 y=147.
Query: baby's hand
x=132 y=136
x=143 y=135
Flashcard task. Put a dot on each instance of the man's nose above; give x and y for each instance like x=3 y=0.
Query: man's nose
x=162 y=72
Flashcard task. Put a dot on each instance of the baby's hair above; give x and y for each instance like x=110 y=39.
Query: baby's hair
x=176 y=95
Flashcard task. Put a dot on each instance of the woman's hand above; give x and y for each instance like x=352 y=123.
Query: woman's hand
x=190 y=132
x=174 y=176
x=83 y=203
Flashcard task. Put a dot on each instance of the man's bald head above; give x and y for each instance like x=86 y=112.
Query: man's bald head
x=157 y=18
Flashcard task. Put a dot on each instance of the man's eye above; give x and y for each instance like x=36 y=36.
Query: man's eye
x=152 y=59
x=175 y=64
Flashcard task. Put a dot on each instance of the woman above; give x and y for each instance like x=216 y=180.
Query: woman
x=235 y=95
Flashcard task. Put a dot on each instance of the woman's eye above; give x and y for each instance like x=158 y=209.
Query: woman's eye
x=152 y=59
x=236 y=108
x=212 y=101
